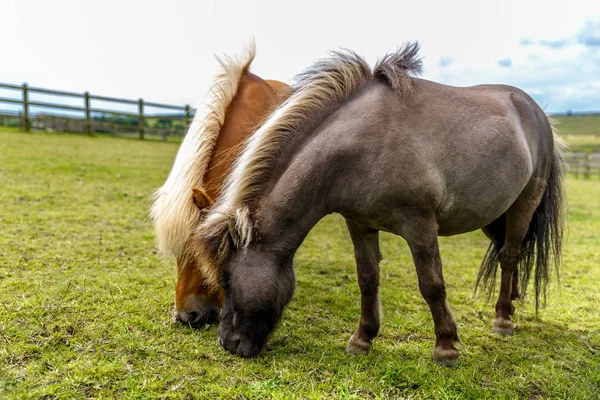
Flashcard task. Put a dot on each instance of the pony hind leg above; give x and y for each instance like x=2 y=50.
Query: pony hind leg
x=426 y=256
x=518 y=218
x=366 y=251
x=496 y=232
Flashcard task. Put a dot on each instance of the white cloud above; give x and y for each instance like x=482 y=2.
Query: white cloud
x=162 y=50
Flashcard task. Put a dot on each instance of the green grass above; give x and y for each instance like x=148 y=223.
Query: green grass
x=85 y=302
x=578 y=125
x=7 y=129
x=582 y=132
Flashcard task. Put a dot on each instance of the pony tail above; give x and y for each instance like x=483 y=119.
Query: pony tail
x=541 y=249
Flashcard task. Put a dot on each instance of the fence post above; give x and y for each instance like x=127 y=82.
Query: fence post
x=141 y=119
x=587 y=167
x=88 y=114
x=188 y=109
x=26 y=122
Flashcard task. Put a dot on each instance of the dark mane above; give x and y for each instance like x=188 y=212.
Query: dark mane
x=230 y=223
x=397 y=68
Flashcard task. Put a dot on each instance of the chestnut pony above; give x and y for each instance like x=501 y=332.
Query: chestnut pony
x=237 y=101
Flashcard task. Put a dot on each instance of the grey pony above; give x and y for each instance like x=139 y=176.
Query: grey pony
x=394 y=153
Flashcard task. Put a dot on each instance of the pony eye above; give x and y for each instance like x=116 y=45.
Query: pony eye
x=224 y=280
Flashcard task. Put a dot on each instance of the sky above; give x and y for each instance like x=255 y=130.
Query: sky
x=163 y=50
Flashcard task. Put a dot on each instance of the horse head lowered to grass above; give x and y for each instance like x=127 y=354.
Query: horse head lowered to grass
x=394 y=153
x=237 y=101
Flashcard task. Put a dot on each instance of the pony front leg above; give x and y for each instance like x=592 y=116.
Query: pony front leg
x=366 y=252
x=428 y=263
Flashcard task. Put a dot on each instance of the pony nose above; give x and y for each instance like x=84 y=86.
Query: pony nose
x=197 y=318
x=188 y=317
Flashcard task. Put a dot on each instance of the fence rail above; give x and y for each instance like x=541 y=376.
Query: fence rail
x=584 y=164
x=90 y=122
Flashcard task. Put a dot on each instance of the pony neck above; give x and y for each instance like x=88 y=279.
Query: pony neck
x=290 y=209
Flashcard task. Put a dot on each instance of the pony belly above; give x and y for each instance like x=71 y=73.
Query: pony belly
x=463 y=225
x=468 y=216
x=476 y=197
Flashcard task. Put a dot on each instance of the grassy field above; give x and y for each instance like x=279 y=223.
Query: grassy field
x=86 y=303
x=579 y=125
x=582 y=132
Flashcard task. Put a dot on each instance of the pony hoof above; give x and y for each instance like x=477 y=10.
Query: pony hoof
x=503 y=326
x=445 y=356
x=358 y=346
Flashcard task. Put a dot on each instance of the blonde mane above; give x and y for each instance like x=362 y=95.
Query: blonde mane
x=328 y=81
x=229 y=223
x=174 y=213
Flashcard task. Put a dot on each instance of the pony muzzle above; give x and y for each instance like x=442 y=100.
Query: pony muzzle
x=197 y=317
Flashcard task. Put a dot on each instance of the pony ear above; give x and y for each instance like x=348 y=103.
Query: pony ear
x=201 y=199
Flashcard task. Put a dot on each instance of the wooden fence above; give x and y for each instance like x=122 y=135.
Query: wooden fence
x=90 y=120
x=583 y=164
